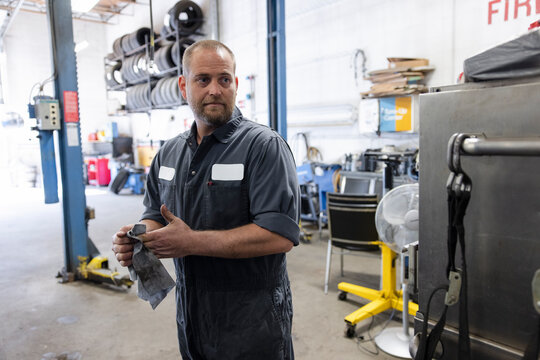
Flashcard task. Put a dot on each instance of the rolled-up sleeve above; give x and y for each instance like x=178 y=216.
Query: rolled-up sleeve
x=274 y=195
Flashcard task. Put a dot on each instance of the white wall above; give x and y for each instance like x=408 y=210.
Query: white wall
x=322 y=36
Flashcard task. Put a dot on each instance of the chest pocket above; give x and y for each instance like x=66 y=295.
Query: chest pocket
x=167 y=192
x=226 y=205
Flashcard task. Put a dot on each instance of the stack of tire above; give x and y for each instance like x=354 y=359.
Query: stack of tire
x=113 y=74
x=130 y=42
x=181 y=23
x=138 y=97
x=166 y=92
x=135 y=68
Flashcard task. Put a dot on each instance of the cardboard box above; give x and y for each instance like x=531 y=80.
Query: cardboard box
x=408 y=63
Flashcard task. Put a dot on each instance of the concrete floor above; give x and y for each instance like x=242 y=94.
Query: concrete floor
x=42 y=319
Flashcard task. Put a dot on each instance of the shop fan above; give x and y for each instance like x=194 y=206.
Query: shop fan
x=396 y=221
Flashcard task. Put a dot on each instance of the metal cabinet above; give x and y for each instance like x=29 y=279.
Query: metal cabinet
x=502 y=221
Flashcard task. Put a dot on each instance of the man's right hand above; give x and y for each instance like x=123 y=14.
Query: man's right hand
x=123 y=246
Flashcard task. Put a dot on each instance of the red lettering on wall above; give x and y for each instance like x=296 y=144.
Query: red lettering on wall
x=506 y=3
x=518 y=4
x=538 y=6
x=491 y=10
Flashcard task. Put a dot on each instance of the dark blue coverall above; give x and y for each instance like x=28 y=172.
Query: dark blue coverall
x=230 y=308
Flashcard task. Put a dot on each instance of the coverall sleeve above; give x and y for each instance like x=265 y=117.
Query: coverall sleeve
x=152 y=200
x=274 y=194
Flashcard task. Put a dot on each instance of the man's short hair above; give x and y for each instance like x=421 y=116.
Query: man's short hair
x=204 y=44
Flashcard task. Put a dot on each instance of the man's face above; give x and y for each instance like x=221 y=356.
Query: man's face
x=210 y=86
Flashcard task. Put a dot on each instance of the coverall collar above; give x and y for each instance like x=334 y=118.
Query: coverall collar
x=222 y=133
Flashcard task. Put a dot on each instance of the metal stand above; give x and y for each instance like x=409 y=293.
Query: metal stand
x=395 y=341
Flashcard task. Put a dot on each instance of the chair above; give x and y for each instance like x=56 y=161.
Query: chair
x=351 y=224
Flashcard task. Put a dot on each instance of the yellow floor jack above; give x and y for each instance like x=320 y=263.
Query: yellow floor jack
x=381 y=300
x=97 y=270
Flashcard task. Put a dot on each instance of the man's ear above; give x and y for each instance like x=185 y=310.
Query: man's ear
x=182 y=86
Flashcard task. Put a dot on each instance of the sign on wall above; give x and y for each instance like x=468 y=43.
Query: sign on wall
x=506 y=10
x=395 y=114
x=71 y=106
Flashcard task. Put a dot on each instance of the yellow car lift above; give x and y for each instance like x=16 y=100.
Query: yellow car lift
x=381 y=300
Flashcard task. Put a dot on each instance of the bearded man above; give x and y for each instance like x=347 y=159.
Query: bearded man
x=222 y=200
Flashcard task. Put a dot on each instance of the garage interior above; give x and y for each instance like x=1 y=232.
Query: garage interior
x=412 y=125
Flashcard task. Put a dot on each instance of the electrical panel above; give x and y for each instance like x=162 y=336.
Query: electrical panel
x=47 y=115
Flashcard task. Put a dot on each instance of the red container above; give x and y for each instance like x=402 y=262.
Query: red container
x=98 y=171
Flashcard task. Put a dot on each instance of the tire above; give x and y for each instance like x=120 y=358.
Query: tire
x=179 y=49
x=117 y=74
x=117 y=47
x=174 y=91
x=163 y=60
x=163 y=92
x=186 y=16
x=113 y=76
x=119 y=181
x=155 y=94
x=168 y=90
x=125 y=43
x=141 y=36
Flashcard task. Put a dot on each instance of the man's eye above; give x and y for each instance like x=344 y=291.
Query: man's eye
x=226 y=81
x=202 y=80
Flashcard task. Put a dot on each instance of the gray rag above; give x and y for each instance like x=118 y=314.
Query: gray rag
x=154 y=281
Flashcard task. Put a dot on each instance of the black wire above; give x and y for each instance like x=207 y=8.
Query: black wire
x=355 y=64
x=371 y=338
x=424 y=335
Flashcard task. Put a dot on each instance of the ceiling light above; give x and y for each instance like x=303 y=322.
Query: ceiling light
x=82 y=6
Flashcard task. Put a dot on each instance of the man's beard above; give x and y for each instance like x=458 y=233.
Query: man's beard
x=213 y=119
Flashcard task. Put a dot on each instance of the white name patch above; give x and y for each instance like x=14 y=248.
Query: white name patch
x=166 y=173
x=227 y=172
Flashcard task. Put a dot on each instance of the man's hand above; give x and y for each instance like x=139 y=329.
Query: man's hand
x=123 y=246
x=171 y=241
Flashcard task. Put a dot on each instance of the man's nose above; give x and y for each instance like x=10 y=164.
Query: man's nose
x=214 y=88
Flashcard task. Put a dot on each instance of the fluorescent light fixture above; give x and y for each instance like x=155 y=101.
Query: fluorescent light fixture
x=82 y=6
x=81 y=45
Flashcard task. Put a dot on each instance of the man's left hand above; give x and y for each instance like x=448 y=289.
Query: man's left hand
x=171 y=241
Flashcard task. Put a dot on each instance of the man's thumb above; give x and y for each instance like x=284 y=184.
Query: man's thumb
x=169 y=216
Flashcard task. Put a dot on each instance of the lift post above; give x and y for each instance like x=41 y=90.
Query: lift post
x=277 y=78
x=70 y=153
x=82 y=260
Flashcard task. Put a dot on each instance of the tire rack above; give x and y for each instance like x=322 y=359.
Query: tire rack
x=150 y=81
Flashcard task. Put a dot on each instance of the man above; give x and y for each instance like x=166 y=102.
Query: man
x=223 y=200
